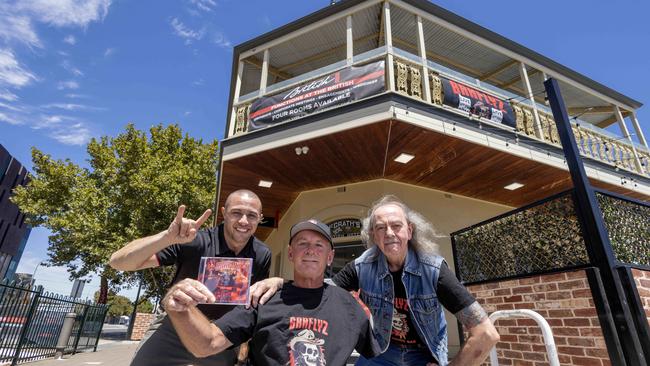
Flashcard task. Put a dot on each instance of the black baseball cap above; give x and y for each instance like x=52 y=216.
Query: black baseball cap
x=314 y=225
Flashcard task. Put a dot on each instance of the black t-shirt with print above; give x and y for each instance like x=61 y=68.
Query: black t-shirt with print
x=299 y=326
x=211 y=243
x=403 y=331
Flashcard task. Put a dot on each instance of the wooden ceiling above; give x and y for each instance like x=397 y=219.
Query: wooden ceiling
x=366 y=153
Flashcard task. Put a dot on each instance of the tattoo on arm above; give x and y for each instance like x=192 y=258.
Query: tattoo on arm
x=471 y=316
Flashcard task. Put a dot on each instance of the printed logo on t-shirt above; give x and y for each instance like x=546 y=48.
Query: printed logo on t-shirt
x=305 y=349
x=403 y=331
x=400 y=325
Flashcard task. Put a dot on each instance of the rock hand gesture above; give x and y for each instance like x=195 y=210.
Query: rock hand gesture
x=183 y=230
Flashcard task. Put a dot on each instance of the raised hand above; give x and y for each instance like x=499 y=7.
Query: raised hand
x=185 y=294
x=183 y=230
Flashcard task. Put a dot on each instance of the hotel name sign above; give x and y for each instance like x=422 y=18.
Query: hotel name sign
x=344 y=228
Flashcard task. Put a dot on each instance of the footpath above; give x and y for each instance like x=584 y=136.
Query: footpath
x=109 y=353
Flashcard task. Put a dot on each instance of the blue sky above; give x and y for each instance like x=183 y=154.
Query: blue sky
x=72 y=69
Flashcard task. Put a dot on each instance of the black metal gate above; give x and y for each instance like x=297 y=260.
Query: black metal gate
x=31 y=320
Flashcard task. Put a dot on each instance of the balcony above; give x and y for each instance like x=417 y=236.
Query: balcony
x=424 y=47
x=594 y=143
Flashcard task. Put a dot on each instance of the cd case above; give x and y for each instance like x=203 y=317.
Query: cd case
x=229 y=279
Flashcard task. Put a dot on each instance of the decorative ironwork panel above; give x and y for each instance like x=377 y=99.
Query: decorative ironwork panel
x=241 y=119
x=628 y=225
x=401 y=75
x=543 y=237
x=416 y=82
x=436 y=89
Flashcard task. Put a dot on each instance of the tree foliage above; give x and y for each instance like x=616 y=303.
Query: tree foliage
x=131 y=188
x=119 y=305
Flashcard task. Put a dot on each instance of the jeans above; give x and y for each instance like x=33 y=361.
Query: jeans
x=397 y=355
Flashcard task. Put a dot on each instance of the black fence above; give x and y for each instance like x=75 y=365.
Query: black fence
x=546 y=236
x=31 y=321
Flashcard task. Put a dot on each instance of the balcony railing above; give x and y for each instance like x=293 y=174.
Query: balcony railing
x=408 y=74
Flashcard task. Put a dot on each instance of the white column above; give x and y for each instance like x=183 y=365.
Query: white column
x=349 y=41
x=389 y=47
x=265 y=72
x=626 y=134
x=529 y=91
x=423 y=59
x=637 y=128
x=235 y=98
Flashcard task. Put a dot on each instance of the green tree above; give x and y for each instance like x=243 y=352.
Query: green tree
x=145 y=306
x=131 y=188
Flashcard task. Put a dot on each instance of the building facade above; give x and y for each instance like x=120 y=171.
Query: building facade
x=367 y=98
x=13 y=231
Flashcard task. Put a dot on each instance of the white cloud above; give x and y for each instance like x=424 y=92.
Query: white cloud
x=66 y=12
x=8 y=96
x=9 y=119
x=220 y=40
x=204 y=5
x=185 y=32
x=72 y=107
x=76 y=96
x=198 y=82
x=11 y=107
x=66 y=106
x=68 y=66
x=69 y=84
x=70 y=39
x=11 y=73
x=187 y=113
x=17 y=28
x=76 y=134
x=109 y=51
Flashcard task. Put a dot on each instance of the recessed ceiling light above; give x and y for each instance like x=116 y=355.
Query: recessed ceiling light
x=513 y=186
x=265 y=183
x=404 y=158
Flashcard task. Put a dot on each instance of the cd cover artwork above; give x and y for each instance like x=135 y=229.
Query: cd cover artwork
x=229 y=279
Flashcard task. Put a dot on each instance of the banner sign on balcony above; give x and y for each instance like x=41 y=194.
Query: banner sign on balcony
x=341 y=87
x=343 y=228
x=479 y=103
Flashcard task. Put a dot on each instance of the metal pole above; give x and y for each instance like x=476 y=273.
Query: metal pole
x=64 y=336
x=135 y=309
x=599 y=247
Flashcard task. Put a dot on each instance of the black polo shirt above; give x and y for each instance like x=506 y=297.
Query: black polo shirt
x=212 y=243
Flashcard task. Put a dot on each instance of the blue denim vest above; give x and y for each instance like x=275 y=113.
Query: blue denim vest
x=420 y=278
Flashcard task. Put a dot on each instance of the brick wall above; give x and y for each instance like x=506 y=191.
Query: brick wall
x=642 y=280
x=142 y=321
x=564 y=300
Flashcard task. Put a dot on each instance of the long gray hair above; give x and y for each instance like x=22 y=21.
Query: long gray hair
x=424 y=235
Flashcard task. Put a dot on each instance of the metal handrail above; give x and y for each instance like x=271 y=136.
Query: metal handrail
x=549 y=342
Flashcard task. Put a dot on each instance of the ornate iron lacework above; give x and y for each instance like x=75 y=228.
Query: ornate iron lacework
x=628 y=224
x=536 y=239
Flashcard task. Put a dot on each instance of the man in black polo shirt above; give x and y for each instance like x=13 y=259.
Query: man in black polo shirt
x=183 y=244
